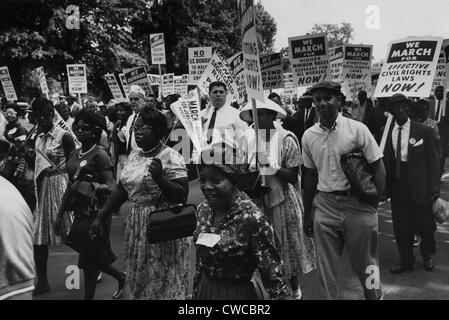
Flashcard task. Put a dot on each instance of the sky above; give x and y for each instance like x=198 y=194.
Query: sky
x=397 y=19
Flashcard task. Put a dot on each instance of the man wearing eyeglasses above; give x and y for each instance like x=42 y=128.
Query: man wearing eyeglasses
x=221 y=122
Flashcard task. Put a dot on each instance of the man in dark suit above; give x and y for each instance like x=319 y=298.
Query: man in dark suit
x=413 y=183
x=303 y=119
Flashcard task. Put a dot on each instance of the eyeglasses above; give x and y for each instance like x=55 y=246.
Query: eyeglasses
x=10 y=113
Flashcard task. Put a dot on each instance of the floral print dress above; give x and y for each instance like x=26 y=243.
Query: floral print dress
x=156 y=271
x=246 y=244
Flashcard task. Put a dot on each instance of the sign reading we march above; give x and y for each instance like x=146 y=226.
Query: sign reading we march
x=336 y=62
x=77 y=78
x=356 y=69
x=310 y=59
x=409 y=67
x=157 y=48
x=253 y=76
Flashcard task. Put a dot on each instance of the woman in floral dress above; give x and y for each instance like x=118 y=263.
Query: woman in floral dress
x=154 y=176
x=279 y=162
x=236 y=256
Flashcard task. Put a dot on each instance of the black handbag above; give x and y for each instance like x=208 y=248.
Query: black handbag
x=171 y=223
x=360 y=177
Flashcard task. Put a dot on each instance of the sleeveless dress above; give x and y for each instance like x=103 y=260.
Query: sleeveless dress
x=157 y=271
x=50 y=186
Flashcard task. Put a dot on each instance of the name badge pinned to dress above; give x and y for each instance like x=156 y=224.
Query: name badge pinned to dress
x=12 y=131
x=83 y=163
x=208 y=239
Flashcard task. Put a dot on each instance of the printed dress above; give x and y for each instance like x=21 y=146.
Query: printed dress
x=283 y=205
x=51 y=183
x=227 y=270
x=157 y=271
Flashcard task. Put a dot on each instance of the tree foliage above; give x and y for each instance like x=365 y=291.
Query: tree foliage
x=114 y=34
x=337 y=34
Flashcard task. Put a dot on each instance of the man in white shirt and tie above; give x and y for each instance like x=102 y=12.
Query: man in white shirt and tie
x=137 y=99
x=221 y=122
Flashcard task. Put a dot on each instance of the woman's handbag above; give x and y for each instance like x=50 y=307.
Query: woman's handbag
x=171 y=223
x=441 y=210
x=360 y=177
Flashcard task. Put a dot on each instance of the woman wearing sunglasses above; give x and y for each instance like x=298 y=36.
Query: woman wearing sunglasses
x=90 y=172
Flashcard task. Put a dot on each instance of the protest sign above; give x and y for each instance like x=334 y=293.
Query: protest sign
x=271 y=66
x=310 y=59
x=219 y=70
x=336 y=56
x=289 y=85
x=42 y=80
x=157 y=48
x=77 y=78
x=177 y=84
x=446 y=54
x=154 y=79
x=168 y=87
x=236 y=64
x=113 y=86
x=7 y=84
x=125 y=85
x=198 y=60
x=138 y=76
x=188 y=112
x=185 y=88
x=251 y=59
x=409 y=67
x=441 y=70
x=356 y=70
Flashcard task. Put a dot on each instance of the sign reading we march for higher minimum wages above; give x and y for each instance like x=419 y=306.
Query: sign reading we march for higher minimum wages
x=409 y=67
x=310 y=59
x=157 y=48
x=77 y=78
x=253 y=76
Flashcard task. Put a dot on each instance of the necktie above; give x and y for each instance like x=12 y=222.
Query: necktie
x=210 y=129
x=131 y=131
x=398 y=155
x=437 y=117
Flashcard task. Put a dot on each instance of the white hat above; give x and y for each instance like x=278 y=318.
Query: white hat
x=137 y=89
x=246 y=112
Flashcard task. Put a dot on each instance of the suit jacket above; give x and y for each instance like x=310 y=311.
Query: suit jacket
x=423 y=163
x=295 y=123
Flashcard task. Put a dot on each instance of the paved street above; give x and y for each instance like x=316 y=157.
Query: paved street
x=415 y=285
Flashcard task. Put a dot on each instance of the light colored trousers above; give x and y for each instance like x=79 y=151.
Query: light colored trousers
x=341 y=221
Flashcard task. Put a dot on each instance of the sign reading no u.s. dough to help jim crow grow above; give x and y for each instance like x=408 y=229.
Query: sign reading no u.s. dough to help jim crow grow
x=409 y=67
x=310 y=59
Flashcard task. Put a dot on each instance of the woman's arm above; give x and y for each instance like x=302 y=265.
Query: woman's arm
x=288 y=174
x=68 y=144
x=175 y=190
x=268 y=259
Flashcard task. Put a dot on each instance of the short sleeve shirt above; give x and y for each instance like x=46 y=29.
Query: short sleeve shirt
x=323 y=148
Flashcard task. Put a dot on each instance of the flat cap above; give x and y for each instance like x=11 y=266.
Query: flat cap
x=326 y=85
x=398 y=97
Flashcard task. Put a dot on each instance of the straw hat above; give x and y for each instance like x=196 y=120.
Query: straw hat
x=246 y=112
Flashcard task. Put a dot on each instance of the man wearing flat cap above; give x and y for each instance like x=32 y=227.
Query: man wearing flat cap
x=413 y=183
x=333 y=215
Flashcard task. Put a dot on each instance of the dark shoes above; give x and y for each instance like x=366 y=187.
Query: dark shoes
x=41 y=289
x=400 y=268
x=429 y=265
x=121 y=288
